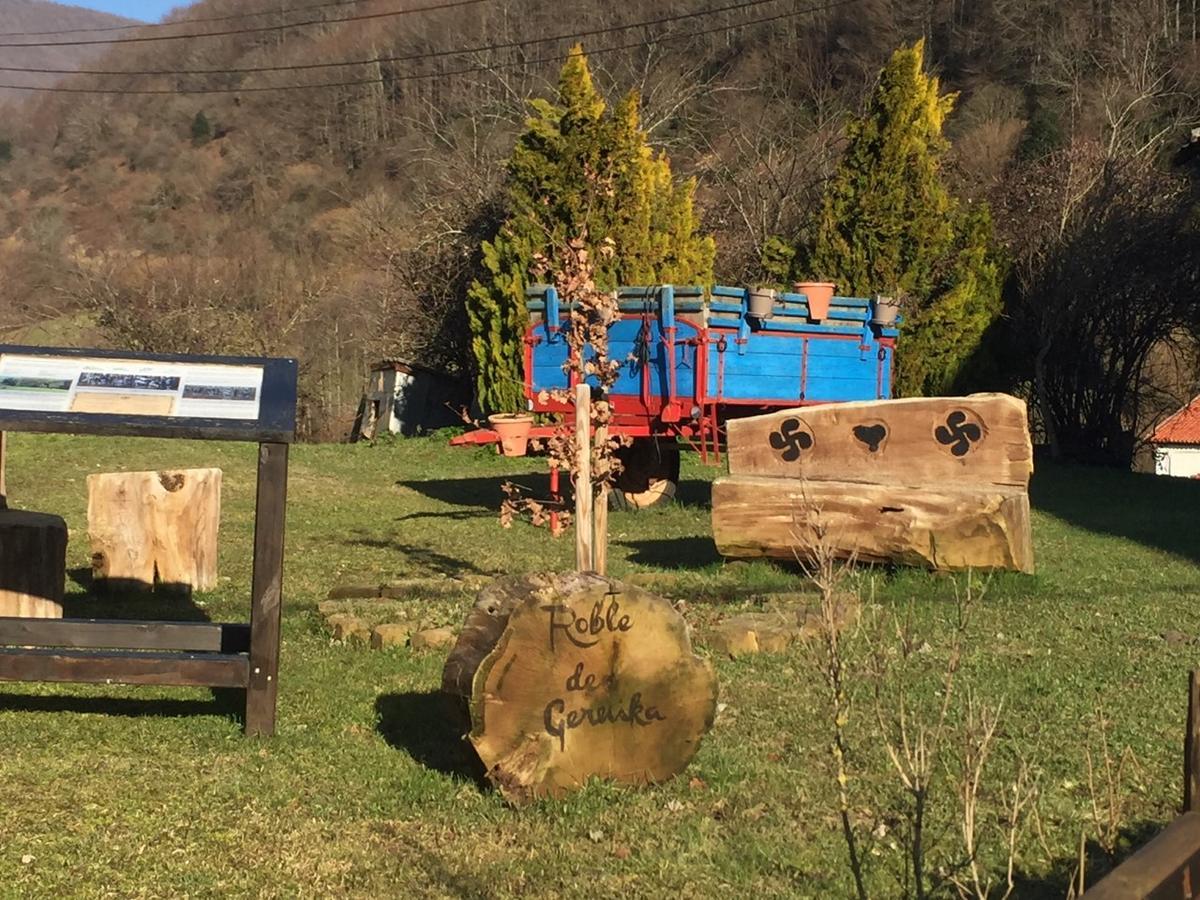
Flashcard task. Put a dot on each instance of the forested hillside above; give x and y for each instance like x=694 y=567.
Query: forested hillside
x=277 y=213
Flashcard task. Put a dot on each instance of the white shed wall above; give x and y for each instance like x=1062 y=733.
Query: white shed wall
x=1178 y=462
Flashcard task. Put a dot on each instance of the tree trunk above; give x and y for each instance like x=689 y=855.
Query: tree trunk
x=948 y=527
x=33 y=564
x=978 y=439
x=569 y=677
x=155 y=527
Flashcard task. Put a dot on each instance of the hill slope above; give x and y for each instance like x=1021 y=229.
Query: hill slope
x=340 y=223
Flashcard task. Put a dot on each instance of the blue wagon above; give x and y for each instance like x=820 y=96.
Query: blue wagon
x=694 y=357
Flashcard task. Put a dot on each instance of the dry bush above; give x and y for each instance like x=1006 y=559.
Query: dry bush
x=983 y=153
x=938 y=754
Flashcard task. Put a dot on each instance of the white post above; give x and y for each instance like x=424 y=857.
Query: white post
x=600 y=514
x=584 y=524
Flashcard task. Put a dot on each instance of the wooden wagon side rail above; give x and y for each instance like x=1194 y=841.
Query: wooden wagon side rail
x=1167 y=868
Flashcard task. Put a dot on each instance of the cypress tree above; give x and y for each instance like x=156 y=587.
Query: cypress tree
x=201 y=129
x=578 y=169
x=888 y=225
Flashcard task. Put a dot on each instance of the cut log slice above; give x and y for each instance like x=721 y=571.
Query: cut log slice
x=33 y=564
x=572 y=677
x=979 y=439
x=946 y=527
x=649 y=474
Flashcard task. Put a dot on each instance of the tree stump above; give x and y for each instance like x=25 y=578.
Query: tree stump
x=571 y=677
x=33 y=564
x=155 y=527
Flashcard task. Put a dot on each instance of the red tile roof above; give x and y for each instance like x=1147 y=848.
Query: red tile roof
x=1182 y=427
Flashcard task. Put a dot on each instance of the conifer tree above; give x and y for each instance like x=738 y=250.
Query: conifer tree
x=201 y=129
x=888 y=225
x=578 y=169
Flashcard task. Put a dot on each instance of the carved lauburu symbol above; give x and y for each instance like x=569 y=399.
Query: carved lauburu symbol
x=871 y=435
x=791 y=440
x=958 y=434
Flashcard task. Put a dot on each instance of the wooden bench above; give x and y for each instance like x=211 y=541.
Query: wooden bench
x=153 y=395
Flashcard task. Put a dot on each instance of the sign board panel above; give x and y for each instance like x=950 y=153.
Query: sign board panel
x=94 y=391
x=587 y=678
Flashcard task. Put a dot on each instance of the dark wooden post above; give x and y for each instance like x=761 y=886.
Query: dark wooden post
x=1191 y=746
x=267 y=590
x=3 y=463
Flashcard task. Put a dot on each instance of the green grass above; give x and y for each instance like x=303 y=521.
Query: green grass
x=124 y=792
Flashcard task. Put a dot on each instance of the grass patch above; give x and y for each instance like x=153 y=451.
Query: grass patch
x=111 y=791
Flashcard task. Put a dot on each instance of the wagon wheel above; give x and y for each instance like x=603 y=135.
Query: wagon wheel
x=650 y=474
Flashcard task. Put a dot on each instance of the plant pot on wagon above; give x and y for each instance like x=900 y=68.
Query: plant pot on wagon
x=760 y=302
x=513 y=429
x=819 y=295
x=885 y=310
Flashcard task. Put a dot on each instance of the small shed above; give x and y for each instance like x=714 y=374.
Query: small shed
x=407 y=398
x=1176 y=443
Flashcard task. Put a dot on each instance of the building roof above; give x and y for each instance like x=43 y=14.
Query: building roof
x=1182 y=427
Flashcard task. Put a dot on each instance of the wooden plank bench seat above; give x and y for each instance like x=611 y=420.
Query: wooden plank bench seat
x=103 y=651
x=1164 y=869
x=124 y=667
x=125 y=634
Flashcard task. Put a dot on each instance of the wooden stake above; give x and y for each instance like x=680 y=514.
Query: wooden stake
x=600 y=514
x=584 y=523
x=1191 y=746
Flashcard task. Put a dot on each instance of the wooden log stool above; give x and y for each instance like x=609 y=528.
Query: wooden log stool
x=33 y=564
x=152 y=529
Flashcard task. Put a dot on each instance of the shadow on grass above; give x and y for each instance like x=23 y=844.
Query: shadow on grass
x=431 y=727
x=694 y=493
x=425 y=557
x=124 y=598
x=674 y=553
x=458 y=515
x=485 y=494
x=480 y=493
x=1055 y=883
x=226 y=702
x=1152 y=510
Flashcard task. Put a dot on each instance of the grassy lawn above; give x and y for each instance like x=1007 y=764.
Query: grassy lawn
x=129 y=792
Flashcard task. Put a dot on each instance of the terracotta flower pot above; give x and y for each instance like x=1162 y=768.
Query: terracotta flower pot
x=761 y=303
x=513 y=429
x=819 y=295
x=884 y=311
